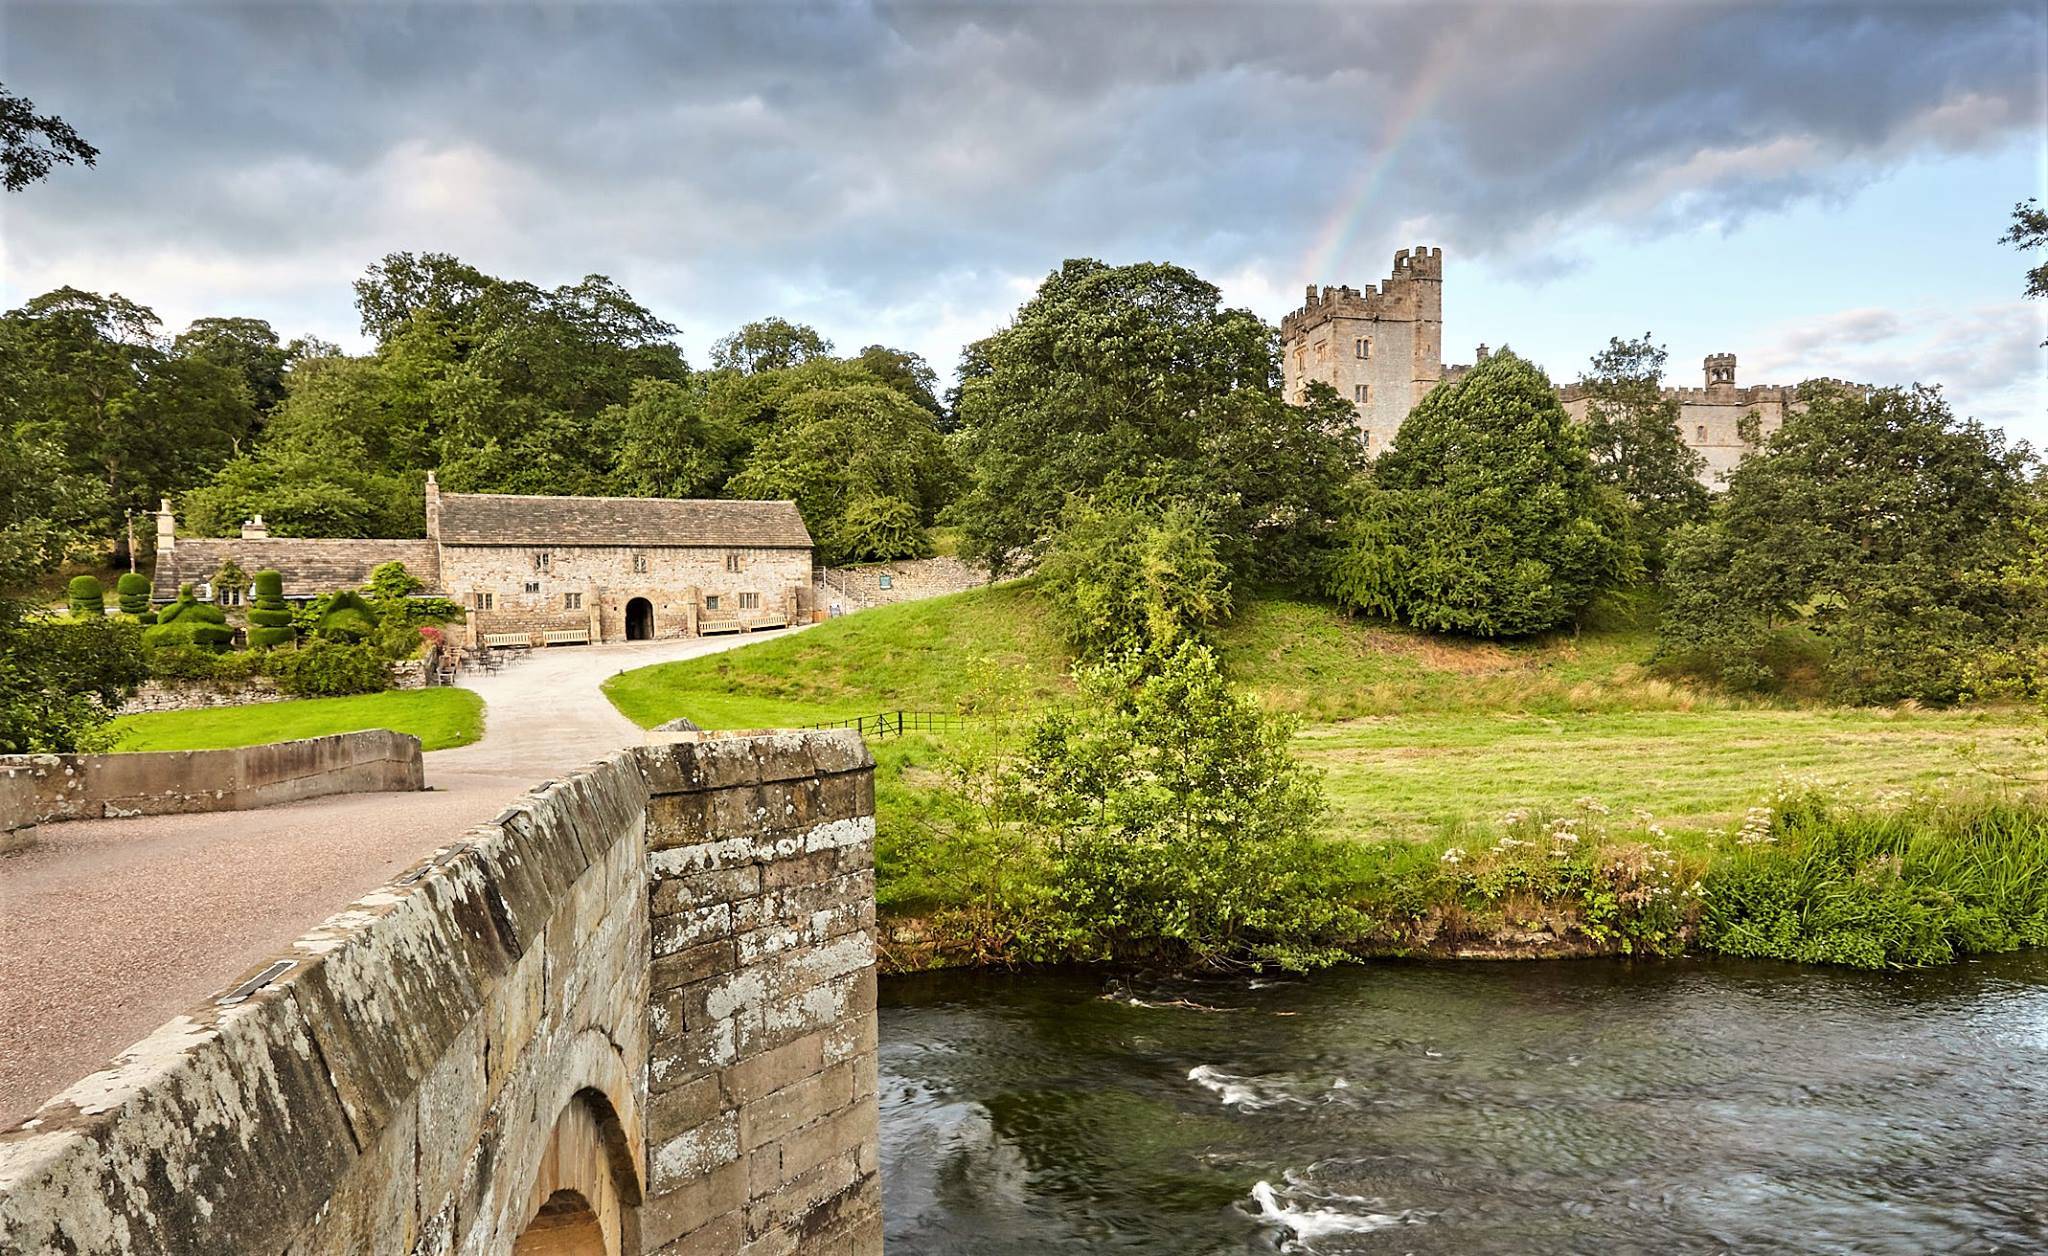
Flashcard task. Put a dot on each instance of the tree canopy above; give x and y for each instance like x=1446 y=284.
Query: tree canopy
x=1883 y=525
x=33 y=144
x=1138 y=375
x=1486 y=517
x=1632 y=432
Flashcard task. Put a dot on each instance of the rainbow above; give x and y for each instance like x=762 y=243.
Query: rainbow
x=1334 y=239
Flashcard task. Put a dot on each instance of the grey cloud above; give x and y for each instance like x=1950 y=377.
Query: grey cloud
x=734 y=155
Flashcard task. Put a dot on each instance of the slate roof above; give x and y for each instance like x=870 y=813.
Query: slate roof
x=510 y=519
x=309 y=567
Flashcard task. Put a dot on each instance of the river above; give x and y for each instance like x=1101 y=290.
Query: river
x=1571 y=1106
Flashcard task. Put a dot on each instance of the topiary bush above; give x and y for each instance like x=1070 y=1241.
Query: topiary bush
x=347 y=617
x=88 y=599
x=189 y=621
x=270 y=618
x=327 y=669
x=133 y=589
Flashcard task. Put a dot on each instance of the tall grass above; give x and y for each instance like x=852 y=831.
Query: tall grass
x=1925 y=883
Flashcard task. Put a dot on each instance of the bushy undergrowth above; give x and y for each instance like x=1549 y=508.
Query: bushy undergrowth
x=1923 y=883
x=1901 y=883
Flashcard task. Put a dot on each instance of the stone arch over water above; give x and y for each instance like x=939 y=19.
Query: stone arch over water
x=585 y=1193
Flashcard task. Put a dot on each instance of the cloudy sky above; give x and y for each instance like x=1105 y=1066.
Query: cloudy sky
x=1818 y=188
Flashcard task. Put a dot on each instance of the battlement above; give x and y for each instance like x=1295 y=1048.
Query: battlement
x=1401 y=297
x=1725 y=395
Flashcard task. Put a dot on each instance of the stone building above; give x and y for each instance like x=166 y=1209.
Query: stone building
x=1383 y=350
x=551 y=570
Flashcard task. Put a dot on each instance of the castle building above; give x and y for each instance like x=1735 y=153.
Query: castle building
x=549 y=569
x=1383 y=350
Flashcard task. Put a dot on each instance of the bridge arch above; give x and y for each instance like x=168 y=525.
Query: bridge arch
x=585 y=1194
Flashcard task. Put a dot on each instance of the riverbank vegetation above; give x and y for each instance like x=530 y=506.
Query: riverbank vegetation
x=440 y=718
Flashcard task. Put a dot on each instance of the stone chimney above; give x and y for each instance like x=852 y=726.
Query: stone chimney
x=255 y=529
x=166 y=528
x=433 y=508
x=1483 y=351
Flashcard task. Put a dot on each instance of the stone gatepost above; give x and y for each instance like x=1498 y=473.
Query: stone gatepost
x=761 y=1116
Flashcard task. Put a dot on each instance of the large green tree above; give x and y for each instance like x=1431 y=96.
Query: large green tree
x=1880 y=524
x=769 y=344
x=672 y=442
x=1133 y=374
x=90 y=374
x=1127 y=573
x=1632 y=431
x=853 y=457
x=246 y=346
x=1486 y=517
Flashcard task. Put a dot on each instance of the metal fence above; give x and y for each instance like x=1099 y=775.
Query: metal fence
x=882 y=724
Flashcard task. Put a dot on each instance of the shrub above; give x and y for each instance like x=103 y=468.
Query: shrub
x=270 y=617
x=347 y=617
x=189 y=621
x=61 y=679
x=327 y=668
x=88 y=600
x=1818 y=882
x=1178 y=822
x=133 y=588
x=1485 y=517
x=1129 y=575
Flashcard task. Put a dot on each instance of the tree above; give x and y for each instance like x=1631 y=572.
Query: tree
x=1632 y=430
x=1485 y=517
x=671 y=443
x=88 y=374
x=1130 y=574
x=2029 y=231
x=841 y=445
x=189 y=621
x=245 y=346
x=769 y=344
x=1881 y=525
x=1178 y=819
x=1106 y=373
x=908 y=374
x=1275 y=480
x=47 y=513
x=60 y=680
x=309 y=490
x=32 y=144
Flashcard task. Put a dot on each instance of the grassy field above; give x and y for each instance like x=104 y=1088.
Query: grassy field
x=440 y=718
x=1417 y=735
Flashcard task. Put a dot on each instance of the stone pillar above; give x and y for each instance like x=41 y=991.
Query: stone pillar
x=761 y=1116
x=166 y=528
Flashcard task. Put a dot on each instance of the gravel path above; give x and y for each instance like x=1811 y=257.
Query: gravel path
x=110 y=927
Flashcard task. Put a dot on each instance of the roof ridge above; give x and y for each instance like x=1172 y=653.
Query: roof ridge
x=593 y=497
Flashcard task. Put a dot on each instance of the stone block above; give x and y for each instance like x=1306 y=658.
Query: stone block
x=693 y=1207
x=684 y=893
x=694 y=1153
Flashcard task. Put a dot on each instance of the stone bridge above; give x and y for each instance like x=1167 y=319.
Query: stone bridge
x=635 y=1013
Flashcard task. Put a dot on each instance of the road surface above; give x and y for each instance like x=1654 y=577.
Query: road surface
x=108 y=928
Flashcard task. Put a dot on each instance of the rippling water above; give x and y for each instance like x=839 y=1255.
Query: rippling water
x=1471 y=1108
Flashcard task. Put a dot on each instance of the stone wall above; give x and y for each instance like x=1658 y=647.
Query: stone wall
x=170 y=782
x=910 y=580
x=18 y=818
x=762 y=1127
x=200 y=695
x=635 y=1013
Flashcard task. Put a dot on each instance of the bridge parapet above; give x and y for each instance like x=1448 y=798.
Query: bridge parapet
x=632 y=1014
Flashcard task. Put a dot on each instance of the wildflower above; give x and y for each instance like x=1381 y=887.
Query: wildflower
x=1593 y=805
x=1453 y=856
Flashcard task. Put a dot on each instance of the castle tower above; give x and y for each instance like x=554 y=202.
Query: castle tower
x=1720 y=368
x=1380 y=348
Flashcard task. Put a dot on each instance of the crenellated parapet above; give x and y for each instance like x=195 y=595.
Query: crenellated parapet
x=1411 y=292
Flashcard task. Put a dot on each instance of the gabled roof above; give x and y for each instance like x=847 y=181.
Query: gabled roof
x=309 y=567
x=512 y=519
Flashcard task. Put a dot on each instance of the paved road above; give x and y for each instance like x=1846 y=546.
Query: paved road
x=108 y=928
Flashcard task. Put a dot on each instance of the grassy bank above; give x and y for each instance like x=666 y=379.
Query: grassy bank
x=440 y=718
x=1428 y=747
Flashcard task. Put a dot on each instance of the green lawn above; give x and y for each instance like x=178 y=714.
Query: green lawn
x=1415 y=733
x=1415 y=775
x=972 y=651
x=440 y=718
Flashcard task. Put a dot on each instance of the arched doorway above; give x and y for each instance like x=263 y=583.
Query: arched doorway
x=566 y=1225
x=639 y=620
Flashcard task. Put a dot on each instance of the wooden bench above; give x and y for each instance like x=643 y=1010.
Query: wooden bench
x=568 y=636
x=708 y=625
x=507 y=641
